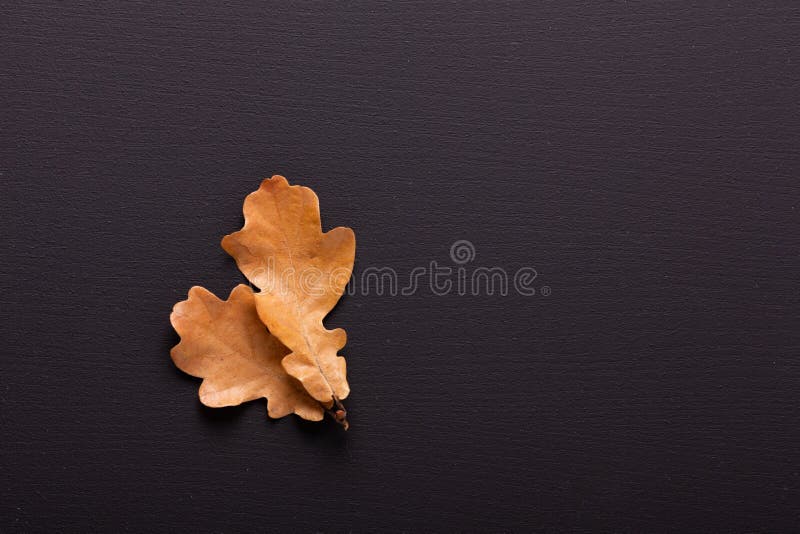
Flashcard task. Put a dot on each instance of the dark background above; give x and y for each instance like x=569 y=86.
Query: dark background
x=642 y=156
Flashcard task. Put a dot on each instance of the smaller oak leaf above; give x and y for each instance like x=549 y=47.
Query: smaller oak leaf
x=226 y=344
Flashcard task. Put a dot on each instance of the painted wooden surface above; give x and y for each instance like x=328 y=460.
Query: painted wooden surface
x=643 y=157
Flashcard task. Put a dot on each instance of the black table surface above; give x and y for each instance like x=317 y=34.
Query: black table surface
x=642 y=157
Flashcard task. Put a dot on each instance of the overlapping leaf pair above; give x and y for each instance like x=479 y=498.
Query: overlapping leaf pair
x=272 y=343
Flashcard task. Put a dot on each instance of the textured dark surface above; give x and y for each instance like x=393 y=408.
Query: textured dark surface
x=643 y=157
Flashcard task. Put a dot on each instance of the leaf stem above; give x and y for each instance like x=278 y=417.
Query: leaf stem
x=339 y=414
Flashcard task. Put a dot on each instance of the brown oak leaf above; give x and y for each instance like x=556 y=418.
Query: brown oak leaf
x=226 y=344
x=302 y=273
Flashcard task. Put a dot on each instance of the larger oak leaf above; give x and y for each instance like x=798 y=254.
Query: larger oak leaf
x=302 y=273
x=226 y=344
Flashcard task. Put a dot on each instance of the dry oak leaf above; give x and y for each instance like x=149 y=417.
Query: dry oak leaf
x=226 y=344
x=302 y=273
